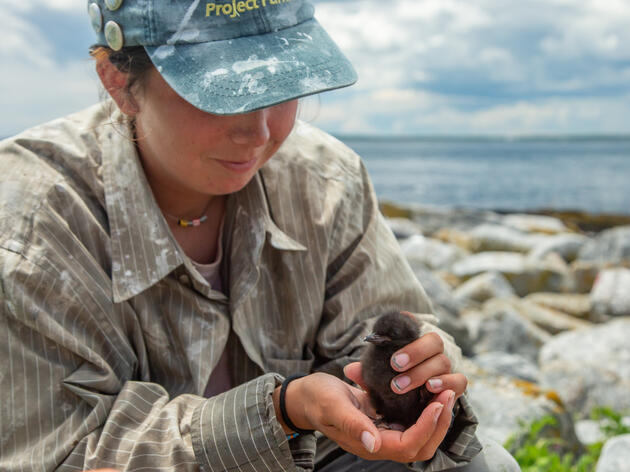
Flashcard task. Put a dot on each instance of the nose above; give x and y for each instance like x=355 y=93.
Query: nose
x=251 y=129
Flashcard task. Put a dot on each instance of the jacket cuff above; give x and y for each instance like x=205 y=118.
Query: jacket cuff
x=239 y=427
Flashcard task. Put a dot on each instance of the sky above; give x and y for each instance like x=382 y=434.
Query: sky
x=426 y=67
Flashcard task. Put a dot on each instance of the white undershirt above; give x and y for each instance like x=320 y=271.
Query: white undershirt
x=220 y=380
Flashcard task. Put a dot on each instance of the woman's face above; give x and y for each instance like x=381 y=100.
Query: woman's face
x=185 y=150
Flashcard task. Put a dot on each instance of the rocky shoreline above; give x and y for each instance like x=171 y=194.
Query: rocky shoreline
x=539 y=303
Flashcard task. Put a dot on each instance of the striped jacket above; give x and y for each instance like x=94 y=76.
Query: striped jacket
x=108 y=334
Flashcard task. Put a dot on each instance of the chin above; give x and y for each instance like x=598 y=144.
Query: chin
x=234 y=185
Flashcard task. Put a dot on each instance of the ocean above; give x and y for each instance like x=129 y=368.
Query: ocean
x=526 y=174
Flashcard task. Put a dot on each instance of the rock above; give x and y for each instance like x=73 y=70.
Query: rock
x=589 y=367
x=437 y=290
x=525 y=275
x=566 y=245
x=610 y=247
x=434 y=218
x=494 y=453
x=483 y=287
x=432 y=253
x=456 y=327
x=589 y=222
x=395 y=210
x=611 y=292
x=449 y=278
x=444 y=305
x=615 y=456
x=502 y=404
x=502 y=328
x=403 y=228
x=552 y=321
x=582 y=275
x=473 y=320
x=574 y=304
x=535 y=223
x=489 y=237
x=589 y=432
x=504 y=262
x=456 y=237
x=511 y=365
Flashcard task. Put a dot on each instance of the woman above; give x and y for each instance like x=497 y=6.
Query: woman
x=162 y=274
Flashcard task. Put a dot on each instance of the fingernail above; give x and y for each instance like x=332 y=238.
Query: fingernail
x=402 y=382
x=451 y=401
x=400 y=360
x=435 y=383
x=437 y=412
x=368 y=441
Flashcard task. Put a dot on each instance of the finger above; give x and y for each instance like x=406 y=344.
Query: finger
x=361 y=400
x=404 y=447
x=346 y=423
x=364 y=403
x=416 y=376
x=360 y=439
x=353 y=372
x=456 y=382
x=444 y=421
x=418 y=351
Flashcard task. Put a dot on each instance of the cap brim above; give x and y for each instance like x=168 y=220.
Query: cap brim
x=249 y=73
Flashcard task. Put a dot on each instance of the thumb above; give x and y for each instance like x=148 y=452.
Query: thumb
x=359 y=427
x=353 y=372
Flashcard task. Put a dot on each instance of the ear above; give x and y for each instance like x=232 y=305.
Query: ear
x=115 y=82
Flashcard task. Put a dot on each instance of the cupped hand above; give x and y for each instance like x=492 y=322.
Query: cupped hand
x=340 y=411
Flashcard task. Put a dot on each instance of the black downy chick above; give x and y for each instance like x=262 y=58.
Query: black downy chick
x=391 y=332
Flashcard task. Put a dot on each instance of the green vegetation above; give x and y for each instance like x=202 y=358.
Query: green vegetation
x=541 y=447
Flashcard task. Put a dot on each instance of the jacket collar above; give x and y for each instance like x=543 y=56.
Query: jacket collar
x=144 y=250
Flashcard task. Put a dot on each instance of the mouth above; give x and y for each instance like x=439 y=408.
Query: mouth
x=376 y=338
x=239 y=167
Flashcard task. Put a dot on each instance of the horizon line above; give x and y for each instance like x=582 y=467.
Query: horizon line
x=485 y=137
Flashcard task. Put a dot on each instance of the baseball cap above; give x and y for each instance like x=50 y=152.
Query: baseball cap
x=228 y=56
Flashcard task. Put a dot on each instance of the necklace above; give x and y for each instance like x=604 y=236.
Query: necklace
x=184 y=223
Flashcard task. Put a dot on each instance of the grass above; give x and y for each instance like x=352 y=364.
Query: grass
x=539 y=446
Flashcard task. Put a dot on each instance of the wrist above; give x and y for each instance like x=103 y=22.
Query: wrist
x=276 y=407
x=293 y=418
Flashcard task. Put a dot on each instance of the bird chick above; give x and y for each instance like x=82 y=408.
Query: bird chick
x=391 y=332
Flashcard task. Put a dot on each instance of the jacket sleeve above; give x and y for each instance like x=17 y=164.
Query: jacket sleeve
x=71 y=401
x=368 y=276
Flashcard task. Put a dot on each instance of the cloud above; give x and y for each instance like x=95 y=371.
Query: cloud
x=462 y=66
x=413 y=112
x=68 y=6
x=43 y=77
x=425 y=66
x=20 y=39
x=39 y=92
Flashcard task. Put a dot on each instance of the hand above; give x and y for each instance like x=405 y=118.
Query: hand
x=423 y=362
x=325 y=403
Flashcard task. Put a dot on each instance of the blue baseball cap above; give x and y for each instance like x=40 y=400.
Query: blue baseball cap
x=228 y=56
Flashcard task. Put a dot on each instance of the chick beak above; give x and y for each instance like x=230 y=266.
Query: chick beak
x=376 y=338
